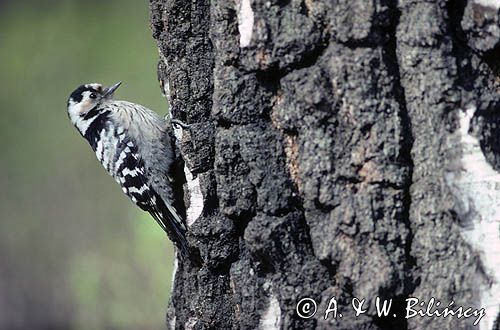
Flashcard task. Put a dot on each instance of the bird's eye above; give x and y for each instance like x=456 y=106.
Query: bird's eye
x=93 y=96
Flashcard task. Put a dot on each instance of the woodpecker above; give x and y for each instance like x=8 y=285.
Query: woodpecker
x=137 y=148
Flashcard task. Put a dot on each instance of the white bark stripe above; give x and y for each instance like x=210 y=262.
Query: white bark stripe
x=476 y=186
x=245 y=22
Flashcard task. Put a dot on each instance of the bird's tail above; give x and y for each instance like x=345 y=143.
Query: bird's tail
x=168 y=218
x=174 y=227
x=178 y=232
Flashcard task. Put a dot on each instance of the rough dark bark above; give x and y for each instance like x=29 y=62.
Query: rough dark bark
x=321 y=147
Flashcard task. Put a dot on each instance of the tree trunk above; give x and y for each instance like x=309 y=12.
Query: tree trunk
x=331 y=144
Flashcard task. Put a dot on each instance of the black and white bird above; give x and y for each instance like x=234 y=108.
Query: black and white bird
x=137 y=148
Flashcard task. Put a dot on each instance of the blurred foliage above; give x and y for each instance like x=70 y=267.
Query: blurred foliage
x=74 y=252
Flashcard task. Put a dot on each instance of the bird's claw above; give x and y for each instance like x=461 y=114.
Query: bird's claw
x=182 y=124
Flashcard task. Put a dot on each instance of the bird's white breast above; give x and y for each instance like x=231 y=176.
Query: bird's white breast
x=106 y=149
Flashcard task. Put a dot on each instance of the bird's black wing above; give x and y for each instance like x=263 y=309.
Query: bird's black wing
x=131 y=174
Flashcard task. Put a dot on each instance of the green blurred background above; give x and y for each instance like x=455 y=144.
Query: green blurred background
x=74 y=252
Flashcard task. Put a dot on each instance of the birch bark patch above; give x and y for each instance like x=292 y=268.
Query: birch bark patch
x=476 y=187
x=245 y=22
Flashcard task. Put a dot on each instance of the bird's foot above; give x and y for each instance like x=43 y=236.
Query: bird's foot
x=180 y=123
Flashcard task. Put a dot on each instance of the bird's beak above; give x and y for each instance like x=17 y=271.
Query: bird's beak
x=108 y=92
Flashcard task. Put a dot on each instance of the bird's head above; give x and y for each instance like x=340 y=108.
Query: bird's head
x=87 y=97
